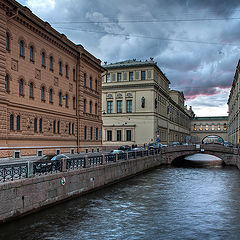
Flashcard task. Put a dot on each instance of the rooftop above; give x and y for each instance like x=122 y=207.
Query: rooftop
x=129 y=63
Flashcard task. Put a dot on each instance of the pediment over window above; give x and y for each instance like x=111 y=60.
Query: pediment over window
x=109 y=95
x=119 y=95
x=129 y=95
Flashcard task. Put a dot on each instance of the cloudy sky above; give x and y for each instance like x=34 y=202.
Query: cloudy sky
x=195 y=43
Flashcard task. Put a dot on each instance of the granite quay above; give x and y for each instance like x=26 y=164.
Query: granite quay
x=34 y=190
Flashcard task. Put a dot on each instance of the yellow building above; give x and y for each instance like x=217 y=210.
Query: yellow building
x=209 y=126
x=138 y=106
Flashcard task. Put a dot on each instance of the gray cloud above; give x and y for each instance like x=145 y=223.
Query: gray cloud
x=198 y=57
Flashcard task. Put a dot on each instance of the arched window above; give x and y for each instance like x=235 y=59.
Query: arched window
x=96 y=85
x=58 y=126
x=35 y=124
x=84 y=105
x=11 y=123
x=7 y=41
x=60 y=99
x=7 y=83
x=21 y=86
x=72 y=128
x=40 y=125
x=31 y=90
x=66 y=70
x=90 y=82
x=18 y=123
x=60 y=67
x=74 y=102
x=31 y=54
x=85 y=133
x=43 y=93
x=74 y=75
x=21 y=48
x=50 y=95
x=69 y=128
x=66 y=100
x=85 y=79
x=54 y=126
x=90 y=107
x=91 y=133
x=43 y=59
x=51 y=63
x=96 y=108
x=96 y=134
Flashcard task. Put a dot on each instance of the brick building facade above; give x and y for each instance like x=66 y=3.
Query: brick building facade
x=50 y=88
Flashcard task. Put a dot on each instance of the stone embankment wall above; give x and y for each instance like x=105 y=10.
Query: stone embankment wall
x=233 y=159
x=28 y=195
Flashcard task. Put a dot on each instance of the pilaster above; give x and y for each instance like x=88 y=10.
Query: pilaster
x=3 y=108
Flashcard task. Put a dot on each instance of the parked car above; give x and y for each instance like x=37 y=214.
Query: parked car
x=153 y=146
x=138 y=149
x=175 y=144
x=116 y=151
x=228 y=144
x=125 y=148
x=47 y=162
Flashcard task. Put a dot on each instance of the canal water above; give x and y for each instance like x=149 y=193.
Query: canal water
x=166 y=203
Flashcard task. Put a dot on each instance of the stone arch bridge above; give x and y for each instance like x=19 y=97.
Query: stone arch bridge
x=229 y=155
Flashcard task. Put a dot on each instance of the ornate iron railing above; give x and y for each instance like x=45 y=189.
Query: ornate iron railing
x=95 y=160
x=76 y=163
x=47 y=167
x=131 y=155
x=30 y=169
x=122 y=156
x=13 y=171
x=110 y=158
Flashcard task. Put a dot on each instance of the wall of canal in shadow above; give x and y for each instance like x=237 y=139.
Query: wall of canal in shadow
x=165 y=203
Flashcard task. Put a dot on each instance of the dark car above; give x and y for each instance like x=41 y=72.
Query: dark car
x=228 y=144
x=125 y=148
x=48 y=162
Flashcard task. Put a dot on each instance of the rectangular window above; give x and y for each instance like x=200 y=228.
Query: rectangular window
x=119 y=77
x=129 y=135
x=119 y=106
x=143 y=75
x=129 y=106
x=119 y=135
x=109 y=106
x=108 y=77
x=130 y=76
x=109 y=135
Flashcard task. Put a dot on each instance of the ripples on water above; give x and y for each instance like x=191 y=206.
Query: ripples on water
x=166 y=203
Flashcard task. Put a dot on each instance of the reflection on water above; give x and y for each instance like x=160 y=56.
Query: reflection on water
x=167 y=203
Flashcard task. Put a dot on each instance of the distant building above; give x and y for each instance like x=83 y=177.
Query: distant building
x=50 y=88
x=233 y=109
x=138 y=106
x=201 y=127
